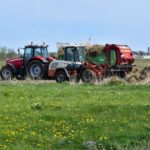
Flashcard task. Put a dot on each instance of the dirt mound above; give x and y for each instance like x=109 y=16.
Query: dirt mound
x=133 y=77
x=145 y=73
x=139 y=77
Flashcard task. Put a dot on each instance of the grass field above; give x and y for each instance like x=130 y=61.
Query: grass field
x=49 y=116
x=37 y=116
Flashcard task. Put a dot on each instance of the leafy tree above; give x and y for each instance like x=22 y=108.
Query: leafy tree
x=7 y=53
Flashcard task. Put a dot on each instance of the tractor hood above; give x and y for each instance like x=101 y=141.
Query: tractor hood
x=11 y=60
x=17 y=62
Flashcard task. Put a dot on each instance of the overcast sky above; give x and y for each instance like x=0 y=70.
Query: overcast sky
x=52 y=21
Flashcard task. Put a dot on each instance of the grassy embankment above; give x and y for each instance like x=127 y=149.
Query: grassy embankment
x=64 y=116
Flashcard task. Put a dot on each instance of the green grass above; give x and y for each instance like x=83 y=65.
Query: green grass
x=63 y=116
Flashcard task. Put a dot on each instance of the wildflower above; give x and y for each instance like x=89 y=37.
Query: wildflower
x=33 y=133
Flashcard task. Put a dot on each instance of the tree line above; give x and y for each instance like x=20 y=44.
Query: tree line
x=7 y=53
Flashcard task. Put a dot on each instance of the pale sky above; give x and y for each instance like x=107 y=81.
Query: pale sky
x=52 y=21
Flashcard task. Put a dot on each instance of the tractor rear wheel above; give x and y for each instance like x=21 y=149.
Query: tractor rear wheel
x=61 y=76
x=6 y=73
x=88 y=76
x=35 y=69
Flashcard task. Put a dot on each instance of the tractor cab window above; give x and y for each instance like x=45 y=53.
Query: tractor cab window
x=41 y=51
x=69 y=54
x=45 y=52
x=76 y=54
x=37 y=51
x=80 y=53
x=28 y=53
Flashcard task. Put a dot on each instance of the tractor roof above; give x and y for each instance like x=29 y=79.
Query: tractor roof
x=73 y=45
x=36 y=46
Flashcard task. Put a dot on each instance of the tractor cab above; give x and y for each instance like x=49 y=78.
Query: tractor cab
x=31 y=50
x=72 y=53
x=34 y=52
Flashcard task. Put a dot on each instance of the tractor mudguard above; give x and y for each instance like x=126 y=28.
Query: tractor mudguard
x=44 y=62
x=65 y=70
x=12 y=66
x=39 y=59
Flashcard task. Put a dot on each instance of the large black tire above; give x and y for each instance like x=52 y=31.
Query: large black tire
x=6 y=73
x=35 y=70
x=88 y=76
x=60 y=76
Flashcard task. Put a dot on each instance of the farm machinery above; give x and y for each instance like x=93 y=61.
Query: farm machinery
x=86 y=63
x=32 y=63
x=87 y=71
x=90 y=63
x=119 y=58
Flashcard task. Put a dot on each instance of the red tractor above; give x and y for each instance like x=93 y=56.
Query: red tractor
x=33 y=63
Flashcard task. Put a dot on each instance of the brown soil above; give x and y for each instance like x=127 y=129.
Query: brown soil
x=15 y=81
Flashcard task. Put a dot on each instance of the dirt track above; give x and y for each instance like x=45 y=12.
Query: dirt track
x=14 y=81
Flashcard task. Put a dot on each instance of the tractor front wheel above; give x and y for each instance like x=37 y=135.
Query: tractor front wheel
x=60 y=76
x=6 y=73
x=88 y=76
x=35 y=69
